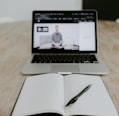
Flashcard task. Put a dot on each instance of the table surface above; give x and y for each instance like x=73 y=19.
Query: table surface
x=15 y=47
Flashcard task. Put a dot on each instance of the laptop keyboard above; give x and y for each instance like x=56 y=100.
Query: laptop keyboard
x=60 y=58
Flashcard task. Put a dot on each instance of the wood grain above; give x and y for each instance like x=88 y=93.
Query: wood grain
x=15 y=47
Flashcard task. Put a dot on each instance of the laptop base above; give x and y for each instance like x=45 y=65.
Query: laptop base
x=76 y=68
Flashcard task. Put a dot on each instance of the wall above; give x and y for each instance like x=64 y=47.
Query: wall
x=21 y=9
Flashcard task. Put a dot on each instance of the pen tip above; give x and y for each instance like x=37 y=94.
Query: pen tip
x=66 y=105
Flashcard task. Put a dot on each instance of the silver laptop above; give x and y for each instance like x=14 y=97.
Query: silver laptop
x=64 y=42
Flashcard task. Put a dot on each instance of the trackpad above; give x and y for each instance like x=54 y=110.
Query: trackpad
x=65 y=68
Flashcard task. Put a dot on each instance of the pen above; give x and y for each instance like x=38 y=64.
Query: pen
x=74 y=99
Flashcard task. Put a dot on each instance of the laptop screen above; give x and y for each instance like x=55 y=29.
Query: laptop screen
x=64 y=31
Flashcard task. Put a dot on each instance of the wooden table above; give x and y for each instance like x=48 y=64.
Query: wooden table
x=15 y=47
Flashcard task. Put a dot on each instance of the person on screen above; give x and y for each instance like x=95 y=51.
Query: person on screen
x=57 y=38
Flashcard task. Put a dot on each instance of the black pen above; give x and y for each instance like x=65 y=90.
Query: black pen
x=74 y=99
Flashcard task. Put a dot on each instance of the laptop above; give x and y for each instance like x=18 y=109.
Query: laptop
x=64 y=42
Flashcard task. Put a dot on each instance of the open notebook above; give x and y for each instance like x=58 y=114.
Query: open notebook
x=49 y=93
